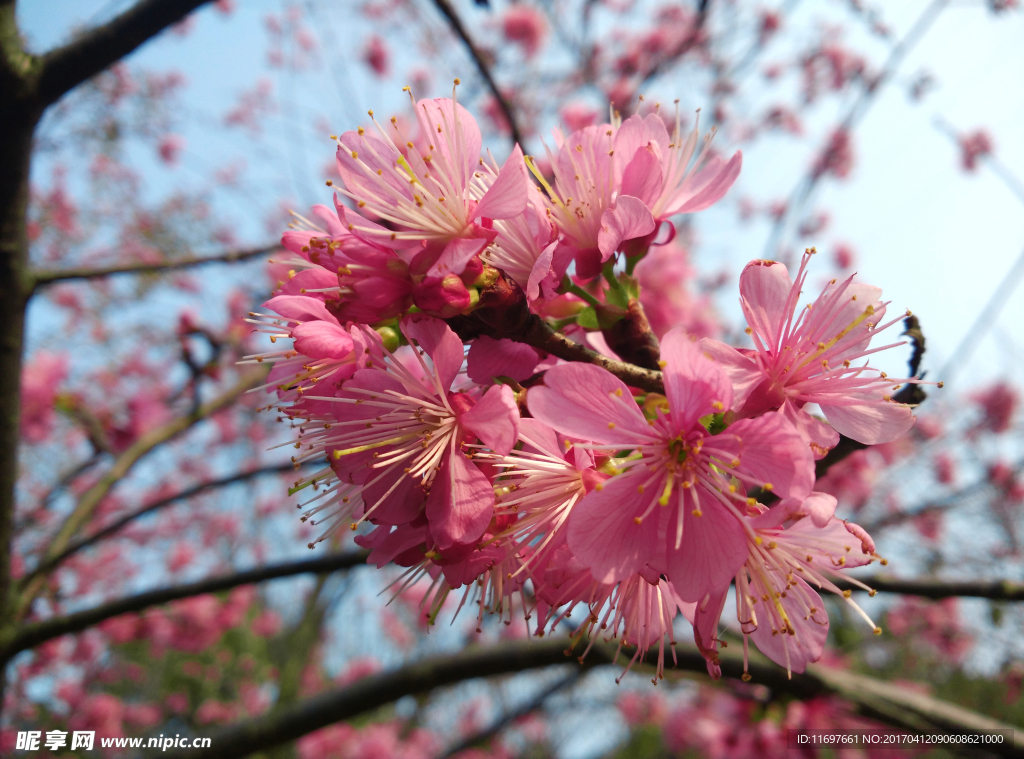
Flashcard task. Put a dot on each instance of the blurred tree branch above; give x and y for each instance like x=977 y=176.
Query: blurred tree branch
x=66 y=67
x=537 y=702
x=35 y=633
x=44 y=277
x=455 y=21
x=997 y=590
x=880 y=700
x=857 y=110
x=91 y=498
x=116 y=526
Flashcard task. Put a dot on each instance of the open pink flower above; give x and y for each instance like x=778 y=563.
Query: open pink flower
x=668 y=173
x=396 y=437
x=807 y=356
x=434 y=194
x=776 y=600
x=676 y=507
x=587 y=205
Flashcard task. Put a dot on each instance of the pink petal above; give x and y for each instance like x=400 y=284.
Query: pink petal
x=542 y=267
x=397 y=498
x=636 y=133
x=371 y=231
x=705 y=621
x=772 y=451
x=603 y=533
x=714 y=548
x=494 y=419
x=872 y=422
x=694 y=381
x=643 y=177
x=628 y=219
x=458 y=140
x=300 y=308
x=764 y=294
x=538 y=436
x=588 y=403
x=489 y=358
x=794 y=651
x=820 y=436
x=742 y=371
x=507 y=197
x=456 y=255
x=461 y=502
x=322 y=340
x=837 y=540
x=311 y=279
x=714 y=181
x=330 y=217
x=378 y=155
x=820 y=507
x=441 y=344
x=387 y=545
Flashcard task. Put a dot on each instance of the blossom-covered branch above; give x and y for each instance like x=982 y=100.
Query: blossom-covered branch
x=44 y=277
x=91 y=498
x=118 y=524
x=34 y=633
x=892 y=704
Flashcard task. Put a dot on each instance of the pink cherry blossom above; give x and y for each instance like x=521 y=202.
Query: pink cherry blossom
x=524 y=25
x=585 y=202
x=40 y=379
x=698 y=478
x=668 y=173
x=434 y=193
x=776 y=604
x=807 y=356
x=396 y=438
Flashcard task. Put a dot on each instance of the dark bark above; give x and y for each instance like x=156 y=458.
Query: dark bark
x=880 y=700
x=67 y=67
x=35 y=633
x=632 y=339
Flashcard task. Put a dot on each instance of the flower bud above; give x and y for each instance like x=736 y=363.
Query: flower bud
x=442 y=296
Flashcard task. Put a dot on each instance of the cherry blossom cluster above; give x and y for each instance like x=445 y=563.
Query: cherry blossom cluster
x=526 y=481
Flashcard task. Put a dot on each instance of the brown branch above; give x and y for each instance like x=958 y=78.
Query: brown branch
x=44 y=277
x=39 y=632
x=116 y=526
x=455 y=21
x=879 y=700
x=541 y=336
x=996 y=590
x=66 y=67
x=478 y=738
x=91 y=498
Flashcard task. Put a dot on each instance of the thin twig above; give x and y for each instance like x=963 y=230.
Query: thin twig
x=39 y=632
x=116 y=526
x=91 y=498
x=455 y=21
x=45 y=277
x=509 y=717
x=996 y=590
